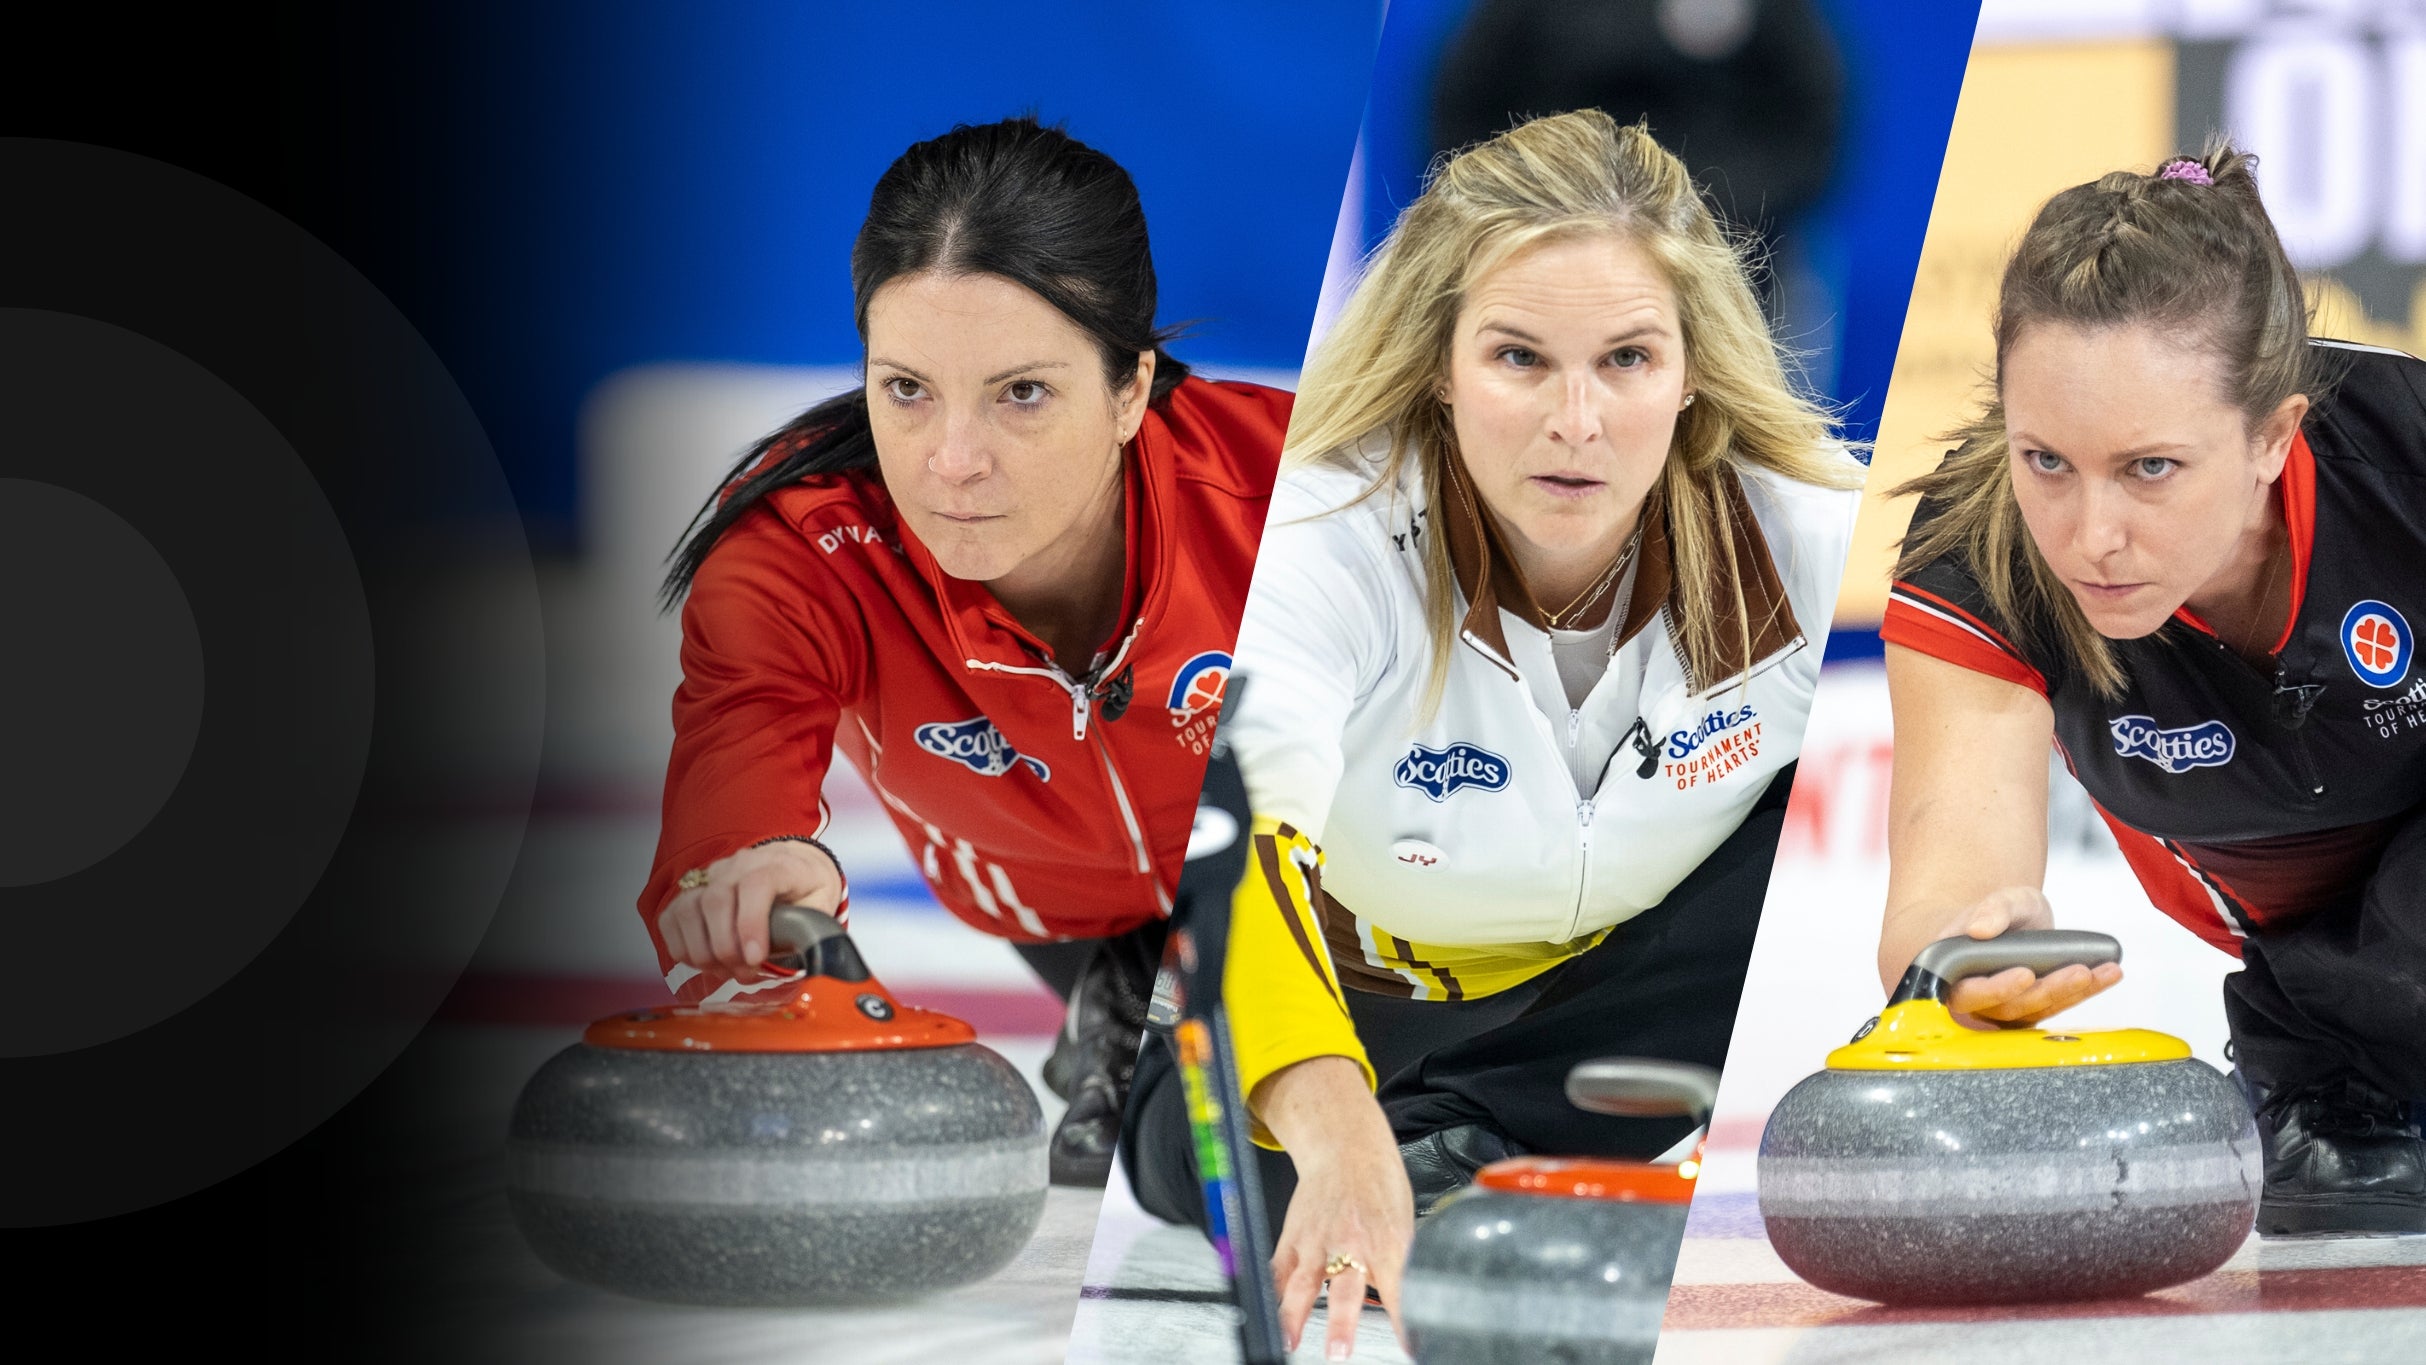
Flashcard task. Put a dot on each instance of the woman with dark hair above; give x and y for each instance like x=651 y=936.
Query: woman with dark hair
x=1002 y=578
x=2186 y=543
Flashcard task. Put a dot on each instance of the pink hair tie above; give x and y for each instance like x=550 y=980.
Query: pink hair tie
x=2185 y=169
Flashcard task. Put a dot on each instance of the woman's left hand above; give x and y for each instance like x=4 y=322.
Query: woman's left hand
x=1352 y=1204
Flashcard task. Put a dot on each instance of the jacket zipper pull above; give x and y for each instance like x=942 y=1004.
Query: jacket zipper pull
x=1078 y=712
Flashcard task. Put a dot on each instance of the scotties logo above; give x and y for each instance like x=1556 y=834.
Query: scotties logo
x=1682 y=743
x=2378 y=643
x=1438 y=773
x=2208 y=744
x=1198 y=685
x=976 y=745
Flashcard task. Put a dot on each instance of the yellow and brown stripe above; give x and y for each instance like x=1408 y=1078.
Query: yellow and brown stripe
x=1268 y=858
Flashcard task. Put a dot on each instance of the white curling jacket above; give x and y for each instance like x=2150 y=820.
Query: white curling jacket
x=1456 y=857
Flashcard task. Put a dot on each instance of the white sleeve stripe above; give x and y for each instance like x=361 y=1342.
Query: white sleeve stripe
x=1953 y=620
x=2224 y=909
x=2355 y=346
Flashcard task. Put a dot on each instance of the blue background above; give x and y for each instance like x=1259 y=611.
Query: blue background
x=682 y=183
x=652 y=183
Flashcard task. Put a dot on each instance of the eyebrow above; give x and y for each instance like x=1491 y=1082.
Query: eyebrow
x=2135 y=453
x=1632 y=333
x=1033 y=365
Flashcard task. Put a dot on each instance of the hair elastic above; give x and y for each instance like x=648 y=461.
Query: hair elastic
x=2185 y=169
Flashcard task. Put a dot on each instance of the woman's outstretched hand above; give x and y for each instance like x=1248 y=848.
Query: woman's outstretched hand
x=722 y=926
x=2018 y=995
x=1352 y=1200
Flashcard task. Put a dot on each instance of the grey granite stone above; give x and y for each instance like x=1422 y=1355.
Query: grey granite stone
x=1496 y=1278
x=776 y=1178
x=2015 y=1185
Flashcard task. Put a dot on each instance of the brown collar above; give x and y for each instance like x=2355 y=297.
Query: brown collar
x=1491 y=581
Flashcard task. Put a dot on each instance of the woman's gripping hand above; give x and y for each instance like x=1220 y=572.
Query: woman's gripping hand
x=722 y=926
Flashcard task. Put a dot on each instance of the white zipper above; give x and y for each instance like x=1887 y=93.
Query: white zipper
x=1081 y=701
x=1082 y=704
x=1053 y=674
x=1583 y=871
x=1128 y=819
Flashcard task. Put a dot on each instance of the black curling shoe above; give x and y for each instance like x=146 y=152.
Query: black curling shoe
x=1093 y=1062
x=1061 y=1063
x=2342 y=1159
x=1441 y=1163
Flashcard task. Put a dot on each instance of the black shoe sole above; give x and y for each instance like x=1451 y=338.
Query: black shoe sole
x=1076 y=1171
x=2341 y=1218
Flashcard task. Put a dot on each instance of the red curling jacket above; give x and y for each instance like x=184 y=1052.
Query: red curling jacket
x=1037 y=808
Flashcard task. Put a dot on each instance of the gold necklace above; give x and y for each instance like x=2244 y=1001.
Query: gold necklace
x=2257 y=624
x=1557 y=620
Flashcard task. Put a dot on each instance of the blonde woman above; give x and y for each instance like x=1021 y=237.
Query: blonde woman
x=2187 y=545
x=1529 y=650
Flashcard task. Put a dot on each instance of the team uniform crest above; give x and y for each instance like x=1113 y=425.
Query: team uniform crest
x=1197 y=687
x=2378 y=643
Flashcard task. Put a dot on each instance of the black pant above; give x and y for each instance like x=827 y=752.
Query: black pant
x=1060 y=965
x=2342 y=990
x=1664 y=984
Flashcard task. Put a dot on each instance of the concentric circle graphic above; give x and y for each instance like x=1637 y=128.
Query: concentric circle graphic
x=269 y=726
x=98 y=718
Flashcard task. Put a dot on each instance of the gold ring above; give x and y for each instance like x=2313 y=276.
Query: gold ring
x=1340 y=1263
x=694 y=879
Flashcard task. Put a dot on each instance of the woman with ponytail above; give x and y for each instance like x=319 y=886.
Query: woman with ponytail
x=2186 y=543
x=1001 y=578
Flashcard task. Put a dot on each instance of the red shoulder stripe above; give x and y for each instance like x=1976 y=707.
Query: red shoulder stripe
x=1928 y=623
x=2299 y=517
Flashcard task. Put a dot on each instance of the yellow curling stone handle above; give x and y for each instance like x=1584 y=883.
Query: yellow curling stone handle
x=1916 y=1032
x=1921 y=1035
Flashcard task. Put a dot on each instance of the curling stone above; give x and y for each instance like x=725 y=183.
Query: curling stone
x=1547 y=1261
x=1937 y=1164
x=835 y=1146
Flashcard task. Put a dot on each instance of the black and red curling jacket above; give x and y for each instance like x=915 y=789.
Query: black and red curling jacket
x=2245 y=799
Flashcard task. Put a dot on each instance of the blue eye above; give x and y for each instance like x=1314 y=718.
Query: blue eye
x=2045 y=462
x=2153 y=466
x=1518 y=356
x=1630 y=357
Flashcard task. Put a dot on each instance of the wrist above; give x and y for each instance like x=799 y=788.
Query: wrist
x=821 y=849
x=1321 y=1113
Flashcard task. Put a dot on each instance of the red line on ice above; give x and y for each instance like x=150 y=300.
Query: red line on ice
x=1708 y=1307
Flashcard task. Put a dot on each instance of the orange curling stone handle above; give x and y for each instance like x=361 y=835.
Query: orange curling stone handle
x=1626 y=1182
x=834 y=1005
